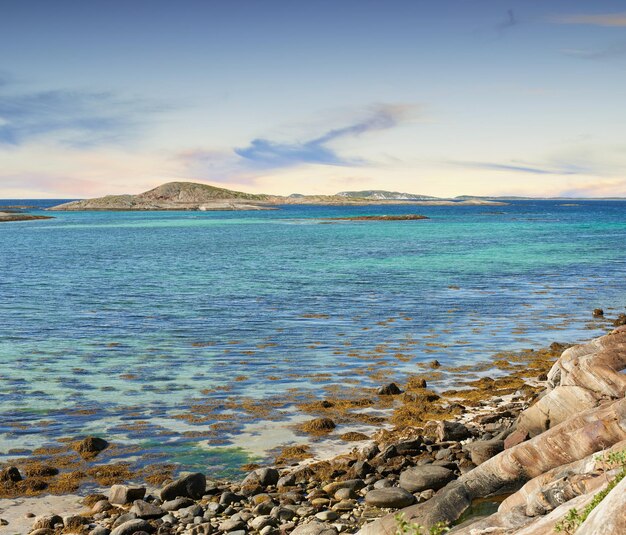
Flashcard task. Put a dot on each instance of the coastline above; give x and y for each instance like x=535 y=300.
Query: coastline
x=486 y=410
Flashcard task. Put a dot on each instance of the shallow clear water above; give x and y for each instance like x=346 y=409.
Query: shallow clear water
x=108 y=319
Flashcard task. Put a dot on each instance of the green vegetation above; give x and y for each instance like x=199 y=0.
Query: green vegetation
x=573 y=519
x=407 y=528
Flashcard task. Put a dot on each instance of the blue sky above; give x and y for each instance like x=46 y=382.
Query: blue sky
x=442 y=98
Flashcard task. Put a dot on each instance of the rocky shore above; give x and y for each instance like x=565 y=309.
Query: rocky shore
x=532 y=458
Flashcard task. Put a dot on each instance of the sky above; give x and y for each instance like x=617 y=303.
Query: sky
x=445 y=98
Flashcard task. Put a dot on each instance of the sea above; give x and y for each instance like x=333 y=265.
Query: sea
x=193 y=336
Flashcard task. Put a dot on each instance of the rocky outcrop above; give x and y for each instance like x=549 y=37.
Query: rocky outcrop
x=584 y=412
x=585 y=376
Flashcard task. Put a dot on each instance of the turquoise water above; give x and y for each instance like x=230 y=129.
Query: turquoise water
x=110 y=319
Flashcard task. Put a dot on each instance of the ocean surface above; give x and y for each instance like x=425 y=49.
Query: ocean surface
x=191 y=335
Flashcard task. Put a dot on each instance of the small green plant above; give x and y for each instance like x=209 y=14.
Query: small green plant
x=404 y=527
x=573 y=519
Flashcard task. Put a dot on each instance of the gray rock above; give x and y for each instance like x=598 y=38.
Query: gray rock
x=483 y=450
x=146 y=510
x=286 y=481
x=392 y=498
x=232 y=524
x=101 y=506
x=132 y=526
x=447 y=431
x=262 y=476
x=189 y=486
x=315 y=528
x=178 y=503
x=425 y=477
x=123 y=494
x=100 y=530
x=124 y=518
x=383 y=484
x=345 y=494
x=260 y=522
x=191 y=510
x=327 y=516
x=391 y=389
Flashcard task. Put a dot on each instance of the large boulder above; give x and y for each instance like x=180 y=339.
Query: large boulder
x=584 y=376
x=90 y=446
x=189 y=486
x=123 y=494
x=262 y=476
x=392 y=498
x=425 y=477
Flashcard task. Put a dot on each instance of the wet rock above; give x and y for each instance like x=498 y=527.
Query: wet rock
x=392 y=498
x=146 y=510
x=189 y=486
x=483 y=450
x=123 y=494
x=447 y=431
x=425 y=477
x=434 y=364
x=598 y=313
x=90 y=446
x=315 y=528
x=391 y=389
x=10 y=474
x=132 y=526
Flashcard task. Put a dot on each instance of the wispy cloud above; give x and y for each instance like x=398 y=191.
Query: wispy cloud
x=74 y=118
x=614 y=50
x=606 y=19
x=265 y=153
x=514 y=167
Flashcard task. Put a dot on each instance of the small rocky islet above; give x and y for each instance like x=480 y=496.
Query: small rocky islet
x=517 y=464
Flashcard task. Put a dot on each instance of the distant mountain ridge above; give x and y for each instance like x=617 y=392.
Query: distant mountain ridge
x=195 y=196
x=383 y=195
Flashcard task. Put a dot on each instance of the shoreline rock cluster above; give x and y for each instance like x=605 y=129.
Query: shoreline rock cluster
x=527 y=461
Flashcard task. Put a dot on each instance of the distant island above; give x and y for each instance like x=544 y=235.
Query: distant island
x=194 y=196
x=6 y=217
